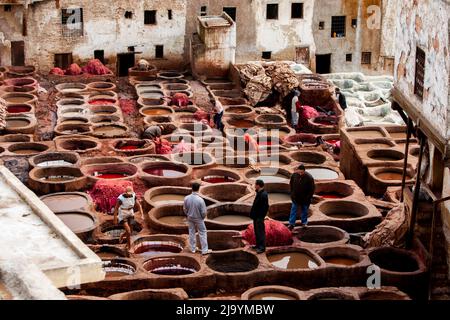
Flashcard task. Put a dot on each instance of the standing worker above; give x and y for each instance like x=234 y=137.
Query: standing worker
x=218 y=115
x=195 y=209
x=287 y=105
x=258 y=213
x=294 y=114
x=124 y=213
x=302 y=192
x=342 y=99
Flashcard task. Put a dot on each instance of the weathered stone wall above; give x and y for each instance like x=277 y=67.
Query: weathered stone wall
x=10 y=30
x=105 y=28
x=424 y=24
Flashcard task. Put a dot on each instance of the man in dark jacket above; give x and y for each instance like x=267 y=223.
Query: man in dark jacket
x=258 y=214
x=302 y=192
x=342 y=99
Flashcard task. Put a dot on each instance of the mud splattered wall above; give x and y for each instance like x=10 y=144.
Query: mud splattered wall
x=424 y=24
x=106 y=27
x=10 y=30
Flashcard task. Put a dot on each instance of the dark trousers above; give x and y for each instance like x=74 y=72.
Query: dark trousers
x=218 y=121
x=260 y=233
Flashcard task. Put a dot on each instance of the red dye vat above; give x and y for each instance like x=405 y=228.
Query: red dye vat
x=333 y=142
x=215 y=179
x=101 y=102
x=111 y=176
x=128 y=148
x=18 y=109
x=164 y=172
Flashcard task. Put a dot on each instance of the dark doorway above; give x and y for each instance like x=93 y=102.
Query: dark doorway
x=63 y=60
x=100 y=55
x=124 y=62
x=323 y=63
x=231 y=11
x=17 y=53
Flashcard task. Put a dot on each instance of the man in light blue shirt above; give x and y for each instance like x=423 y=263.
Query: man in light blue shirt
x=195 y=210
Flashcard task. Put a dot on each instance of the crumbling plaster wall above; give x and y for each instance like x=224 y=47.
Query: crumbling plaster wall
x=424 y=24
x=283 y=35
x=10 y=30
x=106 y=28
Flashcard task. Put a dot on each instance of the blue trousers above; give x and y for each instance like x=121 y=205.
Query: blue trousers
x=293 y=216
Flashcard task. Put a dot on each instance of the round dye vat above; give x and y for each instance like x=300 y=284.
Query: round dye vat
x=151 y=94
x=165 y=172
x=152 y=248
x=118 y=268
x=173 y=270
x=167 y=198
x=55 y=163
x=77 y=221
x=242 y=124
x=333 y=141
x=292 y=260
x=218 y=179
x=58 y=178
x=129 y=147
x=66 y=202
x=172 y=266
x=102 y=102
x=342 y=261
x=272 y=296
x=279 y=197
x=233 y=219
x=16 y=123
x=18 y=108
x=366 y=134
x=173 y=220
x=156 y=111
x=110 y=131
x=110 y=176
x=330 y=195
x=270 y=178
x=323 y=174
x=390 y=176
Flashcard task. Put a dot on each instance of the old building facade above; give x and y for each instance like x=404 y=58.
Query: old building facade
x=422 y=81
x=326 y=35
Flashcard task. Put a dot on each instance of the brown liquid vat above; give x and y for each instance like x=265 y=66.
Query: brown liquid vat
x=159 y=196
x=116 y=130
x=386 y=295
x=73 y=120
x=152 y=294
x=330 y=294
x=19 y=97
x=155 y=103
x=232 y=262
x=150 y=120
x=82 y=223
x=177 y=87
x=380 y=178
x=336 y=189
x=20 y=71
x=106 y=119
x=266 y=292
x=153 y=173
x=197 y=160
x=55 y=159
x=67 y=201
x=239 y=112
x=107 y=110
x=287 y=259
x=196 y=129
x=321 y=236
x=270 y=121
x=226 y=192
x=70 y=103
x=160 y=219
x=20 y=124
x=21 y=82
x=14 y=89
x=101 y=86
x=73 y=128
x=343 y=209
x=385 y=155
x=16 y=138
x=278 y=192
x=231 y=94
x=312 y=157
x=344 y=256
x=79 y=145
x=131 y=147
x=228 y=216
x=300 y=140
x=27 y=148
x=110 y=171
x=56 y=179
x=233 y=101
